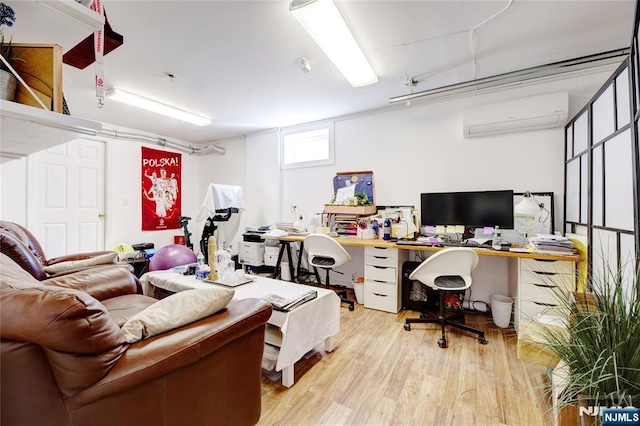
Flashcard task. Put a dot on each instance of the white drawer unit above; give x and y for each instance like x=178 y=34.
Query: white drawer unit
x=382 y=278
x=540 y=285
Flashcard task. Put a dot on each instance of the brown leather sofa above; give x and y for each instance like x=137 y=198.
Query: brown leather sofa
x=32 y=257
x=64 y=359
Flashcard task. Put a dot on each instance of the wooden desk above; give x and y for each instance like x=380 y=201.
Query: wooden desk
x=528 y=272
x=392 y=244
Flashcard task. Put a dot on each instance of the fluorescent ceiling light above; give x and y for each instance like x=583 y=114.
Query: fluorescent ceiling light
x=323 y=22
x=157 y=107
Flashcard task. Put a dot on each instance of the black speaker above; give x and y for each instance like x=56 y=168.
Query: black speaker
x=415 y=295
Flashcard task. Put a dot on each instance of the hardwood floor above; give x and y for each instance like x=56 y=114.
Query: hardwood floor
x=380 y=374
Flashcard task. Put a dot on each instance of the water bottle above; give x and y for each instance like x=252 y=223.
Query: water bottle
x=386 y=229
x=495 y=238
x=200 y=260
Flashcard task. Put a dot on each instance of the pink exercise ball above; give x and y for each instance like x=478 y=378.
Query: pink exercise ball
x=172 y=255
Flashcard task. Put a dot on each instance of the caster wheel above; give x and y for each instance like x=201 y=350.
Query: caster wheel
x=351 y=307
x=407 y=326
x=482 y=340
x=442 y=343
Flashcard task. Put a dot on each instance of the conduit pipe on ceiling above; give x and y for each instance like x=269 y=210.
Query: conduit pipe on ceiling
x=517 y=77
x=116 y=134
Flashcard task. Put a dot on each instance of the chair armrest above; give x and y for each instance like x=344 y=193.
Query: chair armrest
x=169 y=352
x=101 y=282
x=77 y=256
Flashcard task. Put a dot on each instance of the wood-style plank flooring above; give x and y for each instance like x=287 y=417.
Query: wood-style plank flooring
x=380 y=374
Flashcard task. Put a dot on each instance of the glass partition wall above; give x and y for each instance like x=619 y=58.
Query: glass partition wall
x=601 y=170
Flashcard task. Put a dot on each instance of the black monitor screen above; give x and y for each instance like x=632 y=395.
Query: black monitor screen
x=471 y=209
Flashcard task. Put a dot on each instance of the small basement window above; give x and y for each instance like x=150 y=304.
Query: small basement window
x=306 y=146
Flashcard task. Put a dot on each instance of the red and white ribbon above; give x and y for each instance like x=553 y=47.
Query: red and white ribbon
x=98 y=46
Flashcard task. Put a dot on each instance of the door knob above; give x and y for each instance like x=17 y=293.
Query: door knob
x=101 y=215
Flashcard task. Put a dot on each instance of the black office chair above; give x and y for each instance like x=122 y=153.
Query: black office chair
x=448 y=270
x=326 y=253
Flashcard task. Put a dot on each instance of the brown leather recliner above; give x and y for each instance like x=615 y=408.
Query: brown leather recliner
x=15 y=242
x=36 y=264
x=64 y=359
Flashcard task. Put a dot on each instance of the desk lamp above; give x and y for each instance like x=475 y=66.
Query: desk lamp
x=530 y=211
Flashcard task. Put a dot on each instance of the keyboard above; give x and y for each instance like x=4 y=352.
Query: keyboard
x=443 y=244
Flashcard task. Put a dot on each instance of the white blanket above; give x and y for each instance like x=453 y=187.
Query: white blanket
x=221 y=197
x=302 y=329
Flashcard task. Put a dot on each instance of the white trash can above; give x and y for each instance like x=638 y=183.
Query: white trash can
x=285 y=273
x=501 y=310
x=358 y=289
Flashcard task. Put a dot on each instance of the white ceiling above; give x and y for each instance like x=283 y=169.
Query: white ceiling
x=236 y=60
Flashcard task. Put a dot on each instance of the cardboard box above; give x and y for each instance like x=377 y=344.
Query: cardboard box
x=359 y=210
x=42 y=71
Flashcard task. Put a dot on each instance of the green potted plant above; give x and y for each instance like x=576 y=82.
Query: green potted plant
x=8 y=82
x=599 y=343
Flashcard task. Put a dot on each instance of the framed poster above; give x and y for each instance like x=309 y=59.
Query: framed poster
x=161 y=189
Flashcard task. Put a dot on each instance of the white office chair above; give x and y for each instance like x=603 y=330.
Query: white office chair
x=326 y=253
x=448 y=270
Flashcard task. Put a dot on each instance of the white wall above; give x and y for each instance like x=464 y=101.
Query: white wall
x=411 y=150
x=419 y=149
x=123 y=173
x=13 y=191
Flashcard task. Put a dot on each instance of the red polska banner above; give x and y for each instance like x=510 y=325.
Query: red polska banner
x=161 y=189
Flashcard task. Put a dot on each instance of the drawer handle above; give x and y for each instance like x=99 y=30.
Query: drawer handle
x=545 y=260
x=545 y=285
x=380 y=295
x=378 y=281
x=545 y=273
x=380 y=257
x=381 y=248
x=380 y=267
x=550 y=305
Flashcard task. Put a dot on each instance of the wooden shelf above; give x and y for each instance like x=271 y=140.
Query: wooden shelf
x=25 y=129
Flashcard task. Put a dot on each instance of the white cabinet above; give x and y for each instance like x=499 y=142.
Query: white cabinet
x=382 y=278
x=540 y=284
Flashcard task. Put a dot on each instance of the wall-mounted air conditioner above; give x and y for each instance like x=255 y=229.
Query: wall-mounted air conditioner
x=519 y=115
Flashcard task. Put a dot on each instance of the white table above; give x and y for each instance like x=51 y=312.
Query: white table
x=296 y=332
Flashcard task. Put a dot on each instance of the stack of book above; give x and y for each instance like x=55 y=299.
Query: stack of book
x=552 y=244
x=290 y=297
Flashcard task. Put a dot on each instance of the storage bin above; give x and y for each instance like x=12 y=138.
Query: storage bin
x=270 y=357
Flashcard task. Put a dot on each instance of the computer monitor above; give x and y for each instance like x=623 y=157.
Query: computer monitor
x=472 y=209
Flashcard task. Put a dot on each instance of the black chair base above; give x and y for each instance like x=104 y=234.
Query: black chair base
x=340 y=290
x=456 y=320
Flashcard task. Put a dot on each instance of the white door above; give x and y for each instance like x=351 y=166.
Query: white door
x=66 y=197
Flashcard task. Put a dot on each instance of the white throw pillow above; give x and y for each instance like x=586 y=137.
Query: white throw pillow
x=175 y=311
x=101 y=259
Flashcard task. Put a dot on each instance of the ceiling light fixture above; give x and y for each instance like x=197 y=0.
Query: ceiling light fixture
x=325 y=25
x=137 y=101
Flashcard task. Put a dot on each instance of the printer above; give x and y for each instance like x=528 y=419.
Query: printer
x=251 y=248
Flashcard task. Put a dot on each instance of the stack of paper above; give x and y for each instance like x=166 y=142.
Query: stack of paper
x=552 y=244
x=290 y=297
